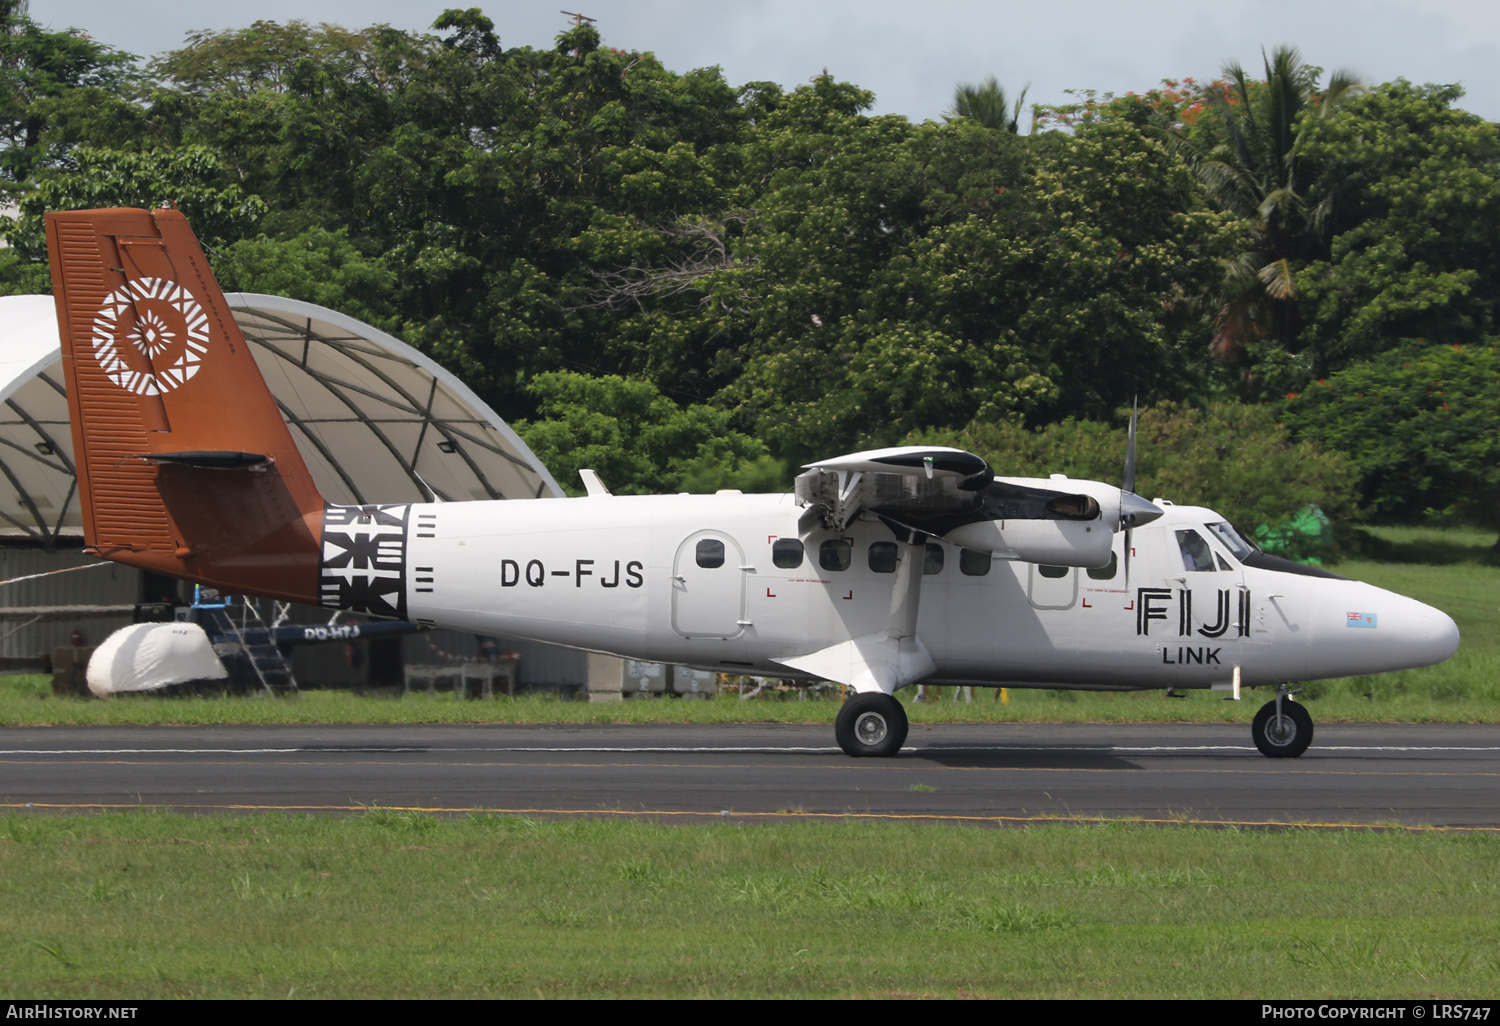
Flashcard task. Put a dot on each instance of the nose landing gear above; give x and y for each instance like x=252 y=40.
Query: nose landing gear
x=1282 y=729
x=871 y=724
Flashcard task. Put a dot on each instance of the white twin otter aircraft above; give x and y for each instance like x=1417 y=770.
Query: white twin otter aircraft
x=884 y=569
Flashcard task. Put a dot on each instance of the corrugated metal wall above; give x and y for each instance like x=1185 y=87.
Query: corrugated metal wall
x=104 y=584
x=543 y=667
x=336 y=665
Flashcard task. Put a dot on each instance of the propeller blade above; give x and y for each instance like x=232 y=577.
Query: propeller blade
x=1131 y=511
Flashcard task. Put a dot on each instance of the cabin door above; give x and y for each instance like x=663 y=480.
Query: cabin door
x=708 y=586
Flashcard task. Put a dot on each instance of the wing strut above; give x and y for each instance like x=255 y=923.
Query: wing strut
x=886 y=660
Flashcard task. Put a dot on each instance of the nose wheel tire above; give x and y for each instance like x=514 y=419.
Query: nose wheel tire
x=871 y=724
x=1285 y=735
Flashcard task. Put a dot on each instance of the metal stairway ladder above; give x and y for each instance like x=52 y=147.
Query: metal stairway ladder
x=256 y=642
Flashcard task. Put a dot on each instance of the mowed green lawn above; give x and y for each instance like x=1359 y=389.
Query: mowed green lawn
x=391 y=904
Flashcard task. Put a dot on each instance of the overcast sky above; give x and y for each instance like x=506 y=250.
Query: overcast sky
x=911 y=55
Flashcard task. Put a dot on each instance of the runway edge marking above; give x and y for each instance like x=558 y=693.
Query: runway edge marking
x=731 y=814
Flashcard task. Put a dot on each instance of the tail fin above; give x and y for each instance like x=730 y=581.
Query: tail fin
x=185 y=465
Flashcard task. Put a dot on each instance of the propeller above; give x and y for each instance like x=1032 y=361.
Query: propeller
x=1133 y=509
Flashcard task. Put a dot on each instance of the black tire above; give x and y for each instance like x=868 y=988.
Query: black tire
x=1287 y=738
x=871 y=725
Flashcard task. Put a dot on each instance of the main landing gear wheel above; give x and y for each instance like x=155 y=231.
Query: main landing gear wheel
x=871 y=724
x=1282 y=729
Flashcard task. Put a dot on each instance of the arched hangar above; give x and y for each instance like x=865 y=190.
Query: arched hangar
x=376 y=420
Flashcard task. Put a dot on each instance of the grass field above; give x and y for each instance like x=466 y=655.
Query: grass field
x=1452 y=569
x=402 y=905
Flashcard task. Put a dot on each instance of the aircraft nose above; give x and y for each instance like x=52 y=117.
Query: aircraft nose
x=1436 y=636
x=1369 y=630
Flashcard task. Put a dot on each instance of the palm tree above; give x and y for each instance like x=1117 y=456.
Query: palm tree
x=1259 y=174
x=984 y=104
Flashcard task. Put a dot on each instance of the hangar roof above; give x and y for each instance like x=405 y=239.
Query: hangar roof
x=376 y=420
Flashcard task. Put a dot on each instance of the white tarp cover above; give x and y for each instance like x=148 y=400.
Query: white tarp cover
x=149 y=656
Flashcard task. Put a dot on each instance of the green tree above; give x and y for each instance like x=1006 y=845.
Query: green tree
x=1415 y=250
x=985 y=104
x=904 y=276
x=191 y=178
x=21 y=277
x=494 y=187
x=1261 y=174
x=317 y=266
x=837 y=349
x=1234 y=458
x=1422 y=425
x=638 y=440
x=37 y=67
x=1182 y=108
x=1123 y=257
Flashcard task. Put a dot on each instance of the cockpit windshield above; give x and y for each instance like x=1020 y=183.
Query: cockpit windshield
x=1232 y=539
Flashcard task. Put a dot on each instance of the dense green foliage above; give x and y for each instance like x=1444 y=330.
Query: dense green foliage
x=756 y=276
x=1230 y=457
x=1415 y=236
x=638 y=440
x=1422 y=424
x=41 y=72
x=1261 y=172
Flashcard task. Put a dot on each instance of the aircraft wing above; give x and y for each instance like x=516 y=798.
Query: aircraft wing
x=932 y=490
x=952 y=494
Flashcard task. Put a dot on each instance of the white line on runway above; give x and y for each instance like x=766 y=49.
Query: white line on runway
x=687 y=750
x=379 y=750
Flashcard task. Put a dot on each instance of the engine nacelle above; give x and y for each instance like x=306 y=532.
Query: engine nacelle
x=1056 y=542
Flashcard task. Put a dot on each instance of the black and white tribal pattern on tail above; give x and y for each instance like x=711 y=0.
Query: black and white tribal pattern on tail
x=363 y=568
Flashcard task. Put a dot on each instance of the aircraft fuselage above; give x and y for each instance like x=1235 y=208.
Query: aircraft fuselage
x=702 y=581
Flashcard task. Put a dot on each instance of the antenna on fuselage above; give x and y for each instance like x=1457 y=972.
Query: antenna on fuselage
x=432 y=492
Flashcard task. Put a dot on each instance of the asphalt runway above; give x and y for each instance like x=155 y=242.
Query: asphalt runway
x=1435 y=776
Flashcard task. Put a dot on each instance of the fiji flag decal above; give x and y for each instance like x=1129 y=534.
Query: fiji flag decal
x=1362 y=620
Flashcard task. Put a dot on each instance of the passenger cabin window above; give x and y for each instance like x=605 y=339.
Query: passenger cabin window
x=710 y=553
x=932 y=562
x=1195 y=551
x=786 y=553
x=1106 y=573
x=883 y=557
x=834 y=554
x=1052 y=571
x=974 y=564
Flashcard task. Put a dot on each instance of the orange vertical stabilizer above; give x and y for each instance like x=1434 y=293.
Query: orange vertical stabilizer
x=185 y=465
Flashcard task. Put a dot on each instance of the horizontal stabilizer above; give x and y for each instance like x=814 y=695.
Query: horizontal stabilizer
x=216 y=460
